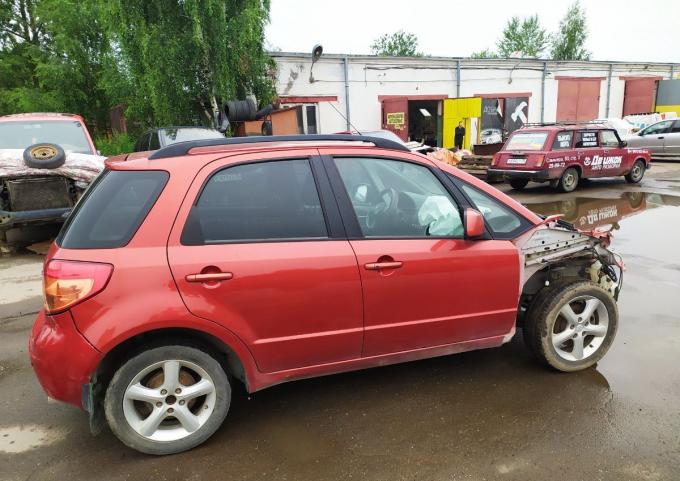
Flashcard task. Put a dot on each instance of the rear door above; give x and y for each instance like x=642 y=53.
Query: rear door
x=615 y=161
x=588 y=152
x=254 y=251
x=672 y=141
x=424 y=284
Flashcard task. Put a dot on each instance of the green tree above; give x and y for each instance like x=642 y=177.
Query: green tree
x=568 y=43
x=486 y=53
x=54 y=56
x=398 y=44
x=185 y=57
x=523 y=36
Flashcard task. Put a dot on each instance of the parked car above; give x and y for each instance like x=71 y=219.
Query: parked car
x=158 y=138
x=261 y=260
x=565 y=154
x=622 y=126
x=491 y=136
x=662 y=139
x=47 y=160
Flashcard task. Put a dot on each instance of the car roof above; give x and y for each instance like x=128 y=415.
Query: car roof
x=40 y=116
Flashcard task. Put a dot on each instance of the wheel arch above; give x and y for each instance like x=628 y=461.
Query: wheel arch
x=225 y=354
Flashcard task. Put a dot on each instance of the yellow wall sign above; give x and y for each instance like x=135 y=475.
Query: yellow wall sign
x=395 y=118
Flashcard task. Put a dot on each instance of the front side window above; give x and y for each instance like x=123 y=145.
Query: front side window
x=275 y=200
x=499 y=218
x=526 y=141
x=608 y=138
x=393 y=198
x=658 y=128
x=586 y=138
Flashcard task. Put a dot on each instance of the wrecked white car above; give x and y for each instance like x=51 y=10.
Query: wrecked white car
x=46 y=163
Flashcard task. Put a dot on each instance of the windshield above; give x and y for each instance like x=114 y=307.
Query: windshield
x=68 y=134
x=527 y=141
x=172 y=136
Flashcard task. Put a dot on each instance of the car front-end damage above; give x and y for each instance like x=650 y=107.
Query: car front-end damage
x=31 y=196
x=557 y=252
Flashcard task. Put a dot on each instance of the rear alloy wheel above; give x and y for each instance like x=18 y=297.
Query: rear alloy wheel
x=569 y=180
x=167 y=400
x=571 y=326
x=636 y=173
x=518 y=184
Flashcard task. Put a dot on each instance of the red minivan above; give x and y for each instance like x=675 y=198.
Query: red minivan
x=563 y=154
x=256 y=261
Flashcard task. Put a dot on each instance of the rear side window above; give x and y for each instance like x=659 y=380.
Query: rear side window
x=112 y=209
x=563 y=140
x=275 y=200
x=585 y=138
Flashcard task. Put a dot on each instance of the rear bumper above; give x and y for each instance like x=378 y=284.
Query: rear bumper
x=535 y=175
x=62 y=359
x=10 y=218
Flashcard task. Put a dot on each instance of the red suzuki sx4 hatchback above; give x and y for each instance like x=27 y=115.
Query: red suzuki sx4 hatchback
x=185 y=271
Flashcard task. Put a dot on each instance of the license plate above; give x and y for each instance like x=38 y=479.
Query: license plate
x=517 y=161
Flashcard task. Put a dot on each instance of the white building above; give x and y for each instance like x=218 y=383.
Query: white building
x=358 y=92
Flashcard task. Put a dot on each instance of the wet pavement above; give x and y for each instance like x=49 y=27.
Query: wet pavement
x=484 y=415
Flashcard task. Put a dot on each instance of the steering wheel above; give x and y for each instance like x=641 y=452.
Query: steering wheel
x=388 y=207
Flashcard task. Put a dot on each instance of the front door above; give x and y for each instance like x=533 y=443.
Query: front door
x=614 y=159
x=424 y=284
x=672 y=141
x=653 y=137
x=395 y=116
x=251 y=250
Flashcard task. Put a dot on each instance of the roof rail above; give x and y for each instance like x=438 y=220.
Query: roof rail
x=564 y=122
x=183 y=148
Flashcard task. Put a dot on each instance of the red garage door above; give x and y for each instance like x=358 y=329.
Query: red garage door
x=639 y=96
x=578 y=98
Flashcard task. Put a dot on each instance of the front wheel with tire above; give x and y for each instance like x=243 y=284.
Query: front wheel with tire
x=569 y=180
x=571 y=326
x=636 y=173
x=167 y=399
x=518 y=184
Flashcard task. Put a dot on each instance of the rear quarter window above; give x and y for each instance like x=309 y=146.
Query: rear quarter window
x=562 y=140
x=526 y=141
x=112 y=209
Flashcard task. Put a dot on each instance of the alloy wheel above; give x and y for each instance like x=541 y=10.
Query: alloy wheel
x=580 y=328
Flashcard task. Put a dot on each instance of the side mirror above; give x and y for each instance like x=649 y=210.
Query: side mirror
x=474 y=224
x=623 y=143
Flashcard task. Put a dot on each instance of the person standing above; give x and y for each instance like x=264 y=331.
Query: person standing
x=459 y=135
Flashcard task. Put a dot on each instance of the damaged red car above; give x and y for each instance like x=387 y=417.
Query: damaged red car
x=209 y=264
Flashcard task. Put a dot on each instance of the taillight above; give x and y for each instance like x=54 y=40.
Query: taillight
x=541 y=159
x=66 y=283
x=494 y=160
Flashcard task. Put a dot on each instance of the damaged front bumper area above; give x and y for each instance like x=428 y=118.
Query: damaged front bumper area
x=556 y=250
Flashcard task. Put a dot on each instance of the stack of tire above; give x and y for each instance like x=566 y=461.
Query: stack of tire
x=246 y=110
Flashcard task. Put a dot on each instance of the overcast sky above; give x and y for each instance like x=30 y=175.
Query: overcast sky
x=640 y=30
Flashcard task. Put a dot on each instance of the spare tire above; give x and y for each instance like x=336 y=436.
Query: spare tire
x=44 y=156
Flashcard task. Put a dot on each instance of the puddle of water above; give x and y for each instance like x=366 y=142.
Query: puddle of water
x=19 y=439
x=590 y=212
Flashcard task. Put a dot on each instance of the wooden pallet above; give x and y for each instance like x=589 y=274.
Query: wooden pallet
x=476 y=165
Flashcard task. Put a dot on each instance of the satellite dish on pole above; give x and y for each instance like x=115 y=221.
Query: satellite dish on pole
x=316 y=54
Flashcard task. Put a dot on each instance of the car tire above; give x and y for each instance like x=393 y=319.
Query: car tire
x=44 y=156
x=518 y=184
x=569 y=180
x=636 y=173
x=579 y=342
x=143 y=410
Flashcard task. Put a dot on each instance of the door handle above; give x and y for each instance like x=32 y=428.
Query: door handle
x=660 y=138
x=209 y=277
x=377 y=266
